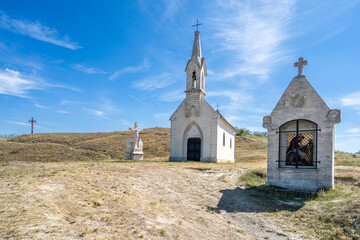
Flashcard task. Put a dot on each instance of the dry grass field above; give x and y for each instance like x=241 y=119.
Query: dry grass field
x=77 y=186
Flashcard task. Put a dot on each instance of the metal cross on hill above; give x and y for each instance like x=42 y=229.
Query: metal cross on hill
x=197 y=25
x=32 y=125
x=300 y=65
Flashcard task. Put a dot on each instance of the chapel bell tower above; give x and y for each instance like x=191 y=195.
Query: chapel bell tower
x=195 y=78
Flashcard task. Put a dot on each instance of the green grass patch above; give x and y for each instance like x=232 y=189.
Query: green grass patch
x=254 y=178
x=324 y=214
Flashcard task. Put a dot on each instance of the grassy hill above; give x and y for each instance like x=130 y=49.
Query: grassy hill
x=56 y=147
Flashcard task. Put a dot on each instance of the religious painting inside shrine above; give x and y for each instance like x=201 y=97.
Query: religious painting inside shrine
x=298 y=140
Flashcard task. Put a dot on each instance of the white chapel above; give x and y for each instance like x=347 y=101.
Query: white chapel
x=198 y=132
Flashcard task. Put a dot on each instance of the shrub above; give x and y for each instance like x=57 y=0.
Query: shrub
x=243 y=132
x=7 y=136
x=260 y=134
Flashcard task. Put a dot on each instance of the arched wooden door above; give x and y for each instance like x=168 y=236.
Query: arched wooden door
x=193 y=149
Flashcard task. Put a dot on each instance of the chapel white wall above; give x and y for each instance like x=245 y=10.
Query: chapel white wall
x=224 y=152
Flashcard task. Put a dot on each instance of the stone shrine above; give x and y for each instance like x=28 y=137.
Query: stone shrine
x=198 y=132
x=135 y=153
x=301 y=138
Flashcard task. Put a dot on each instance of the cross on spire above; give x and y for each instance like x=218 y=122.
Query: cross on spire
x=197 y=25
x=32 y=124
x=300 y=65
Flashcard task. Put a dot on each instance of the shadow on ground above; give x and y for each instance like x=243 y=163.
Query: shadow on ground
x=260 y=199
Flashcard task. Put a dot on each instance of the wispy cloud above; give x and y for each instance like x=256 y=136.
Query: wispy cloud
x=172 y=96
x=18 y=123
x=256 y=129
x=104 y=108
x=353 y=130
x=135 y=69
x=19 y=84
x=254 y=32
x=96 y=113
x=162 y=116
x=16 y=84
x=136 y=99
x=40 y=106
x=351 y=100
x=156 y=82
x=124 y=122
x=36 y=30
x=63 y=112
x=163 y=9
x=239 y=100
x=348 y=142
x=88 y=69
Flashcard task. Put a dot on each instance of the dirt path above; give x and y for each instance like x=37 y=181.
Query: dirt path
x=131 y=201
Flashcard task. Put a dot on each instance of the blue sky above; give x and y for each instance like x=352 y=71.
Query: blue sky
x=94 y=66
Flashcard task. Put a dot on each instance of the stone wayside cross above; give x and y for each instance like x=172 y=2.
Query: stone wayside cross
x=300 y=65
x=136 y=134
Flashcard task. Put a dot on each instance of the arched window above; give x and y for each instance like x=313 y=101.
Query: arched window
x=223 y=138
x=298 y=144
x=193 y=79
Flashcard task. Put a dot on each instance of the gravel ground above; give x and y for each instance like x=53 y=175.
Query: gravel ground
x=122 y=200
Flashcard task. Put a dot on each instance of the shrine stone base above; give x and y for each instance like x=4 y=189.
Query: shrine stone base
x=137 y=154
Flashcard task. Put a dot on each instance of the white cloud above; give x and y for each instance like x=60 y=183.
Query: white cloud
x=96 y=113
x=353 y=130
x=162 y=116
x=143 y=67
x=36 y=30
x=39 y=106
x=88 y=70
x=209 y=72
x=136 y=99
x=348 y=142
x=18 y=123
x=16 y=84
x=253 y=31
x=124 y=122
x=233 y=118
x=63 y=112
x=173 y=96
x=163 y=10
x=156 y=82
x=103 y=108
x=239 y=100
x=351 y=100
x=256 y=129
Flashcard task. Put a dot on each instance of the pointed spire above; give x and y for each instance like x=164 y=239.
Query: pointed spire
x=196 y=52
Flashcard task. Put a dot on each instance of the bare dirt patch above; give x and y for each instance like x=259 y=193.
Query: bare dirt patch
x=129 y=201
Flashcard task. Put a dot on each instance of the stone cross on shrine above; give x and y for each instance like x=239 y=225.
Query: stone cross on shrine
x=136 y=134
x=300 y=65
